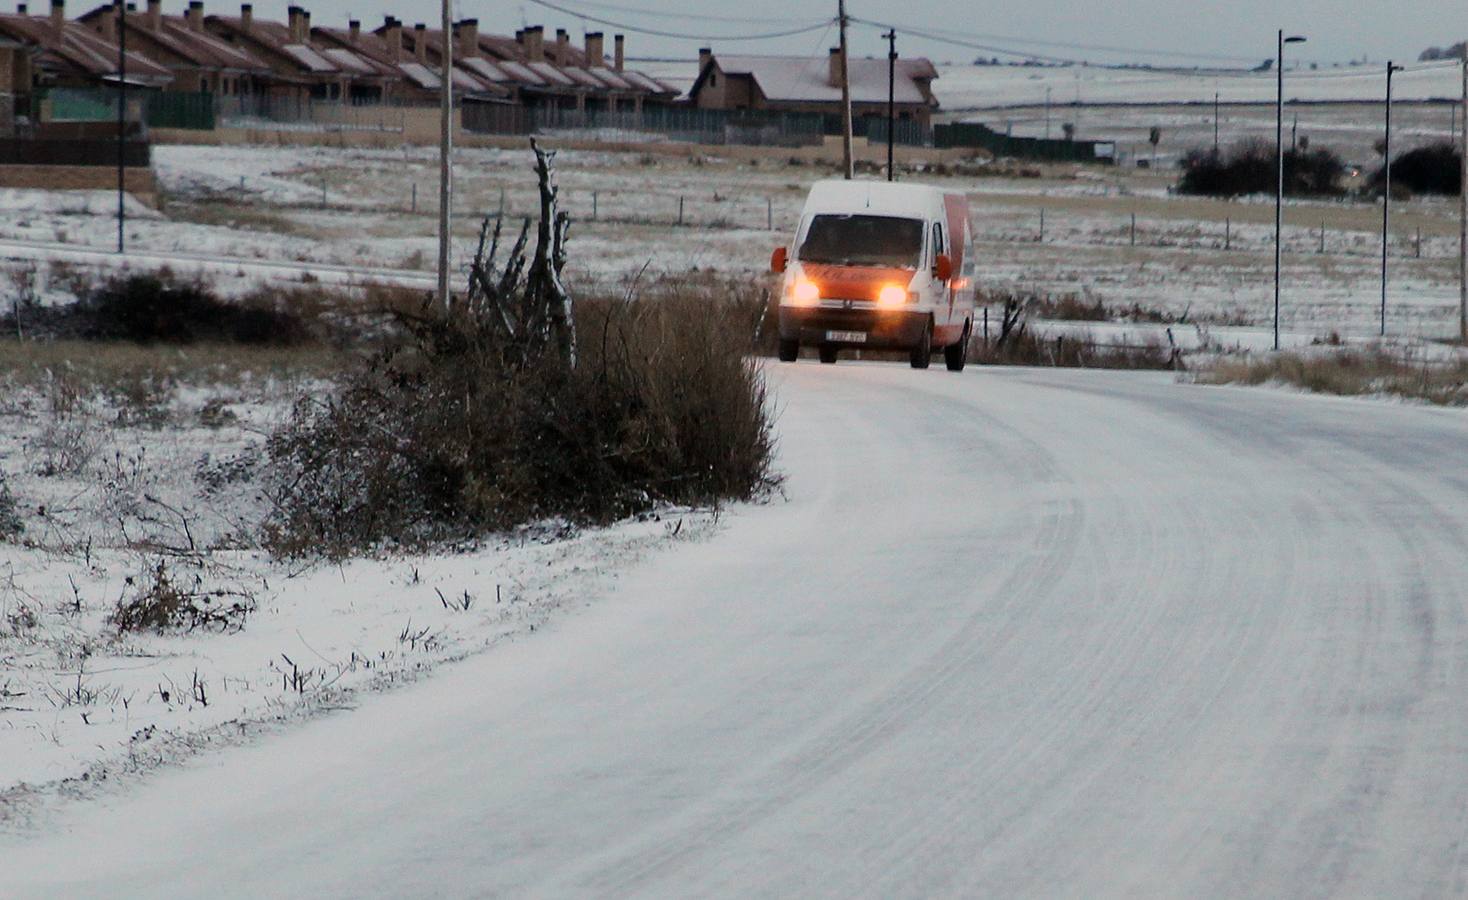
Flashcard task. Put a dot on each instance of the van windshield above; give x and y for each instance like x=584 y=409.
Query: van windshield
x=855 y=240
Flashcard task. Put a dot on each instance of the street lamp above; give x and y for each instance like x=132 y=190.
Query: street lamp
x=1279 y=160
x=1386 y=196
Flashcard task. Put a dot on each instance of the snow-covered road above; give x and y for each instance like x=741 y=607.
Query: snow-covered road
x=1014 y=633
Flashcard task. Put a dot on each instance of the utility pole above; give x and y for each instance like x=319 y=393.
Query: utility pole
x=1386 y=195
x=1047 y=114
x=445 y=151
x=846 y=164
x=121 y=122
x=1215 y=123
x=1463 y=213
x=891 y=37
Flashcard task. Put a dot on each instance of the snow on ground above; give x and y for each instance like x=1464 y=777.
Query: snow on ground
x=1157 y=639
x=111 y=484
x=252 y=214
x=971 y=87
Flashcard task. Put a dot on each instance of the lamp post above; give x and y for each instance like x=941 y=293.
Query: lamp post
x=891 y=37
x=1279 y=162
x=445 y=155
x=121 y=122
x=1386 y=194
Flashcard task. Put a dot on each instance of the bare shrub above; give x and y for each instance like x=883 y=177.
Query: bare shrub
x=10 y=522
x=1351 y=372
x=443 y=440
x=511 y=406
x=156 y=602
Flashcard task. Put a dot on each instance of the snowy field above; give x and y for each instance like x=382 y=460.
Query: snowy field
x=252 y=214
x=116 y=479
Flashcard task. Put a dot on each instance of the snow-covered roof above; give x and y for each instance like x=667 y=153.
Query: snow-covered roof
x=610 y=78
x=519 y=72
x=348 y=61
x=550 y=74
x=484 y=69
x=308 y=58
x=420 y=75
x=807 y=79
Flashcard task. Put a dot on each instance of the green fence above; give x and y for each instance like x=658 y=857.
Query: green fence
x=974 y=134
x=160 y=109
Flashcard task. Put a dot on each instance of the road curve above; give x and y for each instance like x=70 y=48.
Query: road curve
x=1012 y=633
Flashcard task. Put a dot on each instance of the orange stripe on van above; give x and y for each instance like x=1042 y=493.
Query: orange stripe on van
x=855 y=282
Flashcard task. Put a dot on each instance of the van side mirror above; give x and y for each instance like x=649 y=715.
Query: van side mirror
x=943 y=267
x=777 y=260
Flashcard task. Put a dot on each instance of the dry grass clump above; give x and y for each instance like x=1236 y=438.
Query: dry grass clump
x=1023 y=347
x=1350 y=373
x=100 y=367
x=446 y=435
x=157 y=602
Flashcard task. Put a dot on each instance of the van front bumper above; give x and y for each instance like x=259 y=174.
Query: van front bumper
x=885 y=329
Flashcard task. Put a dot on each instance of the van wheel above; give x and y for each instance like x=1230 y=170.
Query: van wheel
x=922 y=354
x=956 y=355
x=789 y=350
x=828 y=354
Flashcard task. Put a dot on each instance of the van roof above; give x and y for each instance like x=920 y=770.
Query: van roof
x=878 y=197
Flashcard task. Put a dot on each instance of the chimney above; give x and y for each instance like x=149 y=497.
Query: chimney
x=293 y=22
x=155 y=14
x=595 y=56
x=195 y=15
x=354 y=26
x=705 y=54
x=247 y=15
x=305 y=25
x=563 y=47
x=420 y=44
x=22 y=10
x=468 y=38
x=617 y=52
x=58 y=15
x=834 y=70
x=392 y=36
x=535 y=44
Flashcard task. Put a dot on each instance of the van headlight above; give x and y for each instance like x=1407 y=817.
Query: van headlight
x=803 y=292
x=892 y=295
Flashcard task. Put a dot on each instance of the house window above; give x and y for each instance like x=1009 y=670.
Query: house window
x=713 y=78
x=203 y=85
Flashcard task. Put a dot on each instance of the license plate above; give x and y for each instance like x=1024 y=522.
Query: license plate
x=847 y=337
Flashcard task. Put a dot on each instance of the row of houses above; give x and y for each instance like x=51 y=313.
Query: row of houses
x=252 y=65
x=197 y=51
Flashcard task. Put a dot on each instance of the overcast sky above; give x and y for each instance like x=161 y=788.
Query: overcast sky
x=1218 y=33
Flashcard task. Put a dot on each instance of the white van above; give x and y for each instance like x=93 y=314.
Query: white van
x=879 y=265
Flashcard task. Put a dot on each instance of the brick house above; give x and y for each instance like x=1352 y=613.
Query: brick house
x=804 y=84
x=200 y=61
x=69 y=54
x=299 y=70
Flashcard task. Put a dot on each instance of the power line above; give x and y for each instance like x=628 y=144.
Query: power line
x=1067 y=45
x=960 y=41
x=665 y=14
x=636 y=29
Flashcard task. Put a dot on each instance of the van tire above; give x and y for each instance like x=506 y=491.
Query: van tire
x=922 y=354
x=789 y=350
x=956 y=355
x=828 y=354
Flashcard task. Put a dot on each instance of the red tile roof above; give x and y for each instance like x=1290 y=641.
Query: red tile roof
x=79 y=50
